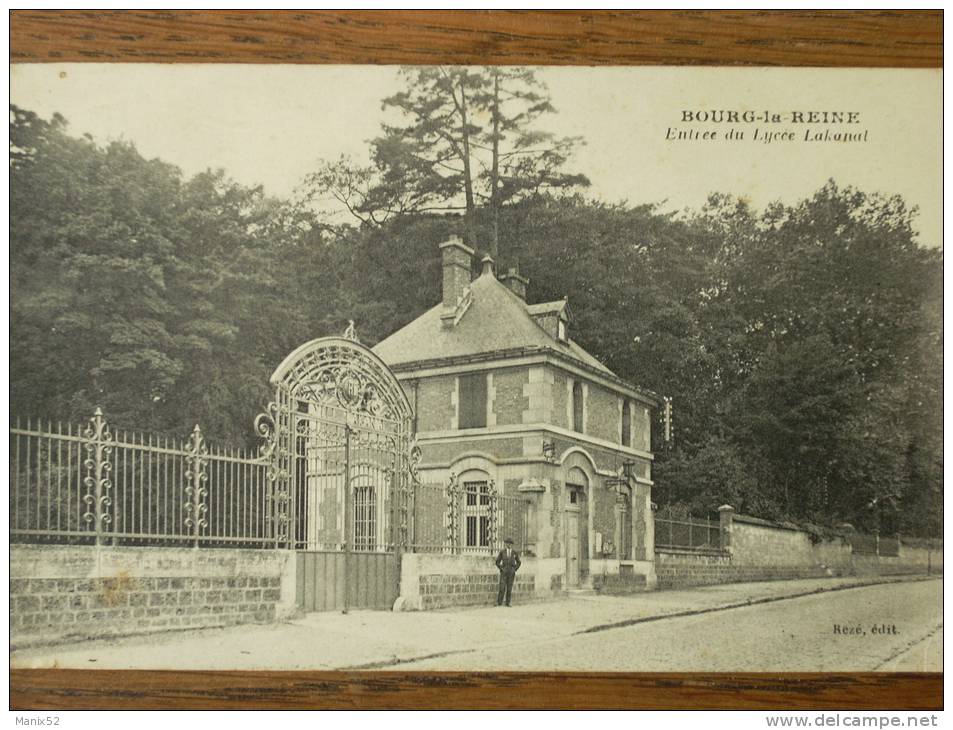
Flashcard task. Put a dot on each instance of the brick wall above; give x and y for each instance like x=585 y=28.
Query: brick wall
x=556 y=517
x=618 y=584
x=603 y=515
x=429 y=581
x=446 y=452
x=435 y=408
x=603 y=417
x=511 y=487
x=641 y=427
x=560 y=400
x=683 y=569
x=605 y=459
x=446 y=590
x=509 y=402
x=60 y=593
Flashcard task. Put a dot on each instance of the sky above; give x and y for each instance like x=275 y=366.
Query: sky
x=273 y=124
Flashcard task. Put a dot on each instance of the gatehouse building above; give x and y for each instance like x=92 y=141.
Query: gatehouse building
x=507 y=404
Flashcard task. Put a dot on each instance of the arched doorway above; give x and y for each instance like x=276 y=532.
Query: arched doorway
x=577 y=526
x=338 y=440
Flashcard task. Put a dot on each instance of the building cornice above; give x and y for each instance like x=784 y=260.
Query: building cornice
x=528 y=429
x=523 y=356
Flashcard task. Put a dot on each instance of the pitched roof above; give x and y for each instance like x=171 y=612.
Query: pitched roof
x=495 y=320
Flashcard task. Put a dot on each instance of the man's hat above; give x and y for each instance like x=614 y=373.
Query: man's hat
x=508 y=541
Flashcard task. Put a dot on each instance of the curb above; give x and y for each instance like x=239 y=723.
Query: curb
x=749 y=602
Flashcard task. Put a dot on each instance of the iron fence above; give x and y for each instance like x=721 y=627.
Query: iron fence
x=684 y=532
x=430 y=525
x=92 y=484
x=466 y=518
x=887 y=546
x=862 y=544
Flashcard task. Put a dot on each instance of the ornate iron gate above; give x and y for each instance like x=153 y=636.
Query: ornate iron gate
x=338 y=443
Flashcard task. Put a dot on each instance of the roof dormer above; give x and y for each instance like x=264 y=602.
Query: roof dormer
x=554 y=317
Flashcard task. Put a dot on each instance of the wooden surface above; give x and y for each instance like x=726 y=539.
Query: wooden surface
x=798 y=38
x=105 y=689
x=802 y=38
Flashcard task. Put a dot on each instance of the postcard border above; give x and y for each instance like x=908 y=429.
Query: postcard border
x=908 y=39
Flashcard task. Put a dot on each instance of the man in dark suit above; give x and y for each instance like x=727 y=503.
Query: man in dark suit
x=508 y=561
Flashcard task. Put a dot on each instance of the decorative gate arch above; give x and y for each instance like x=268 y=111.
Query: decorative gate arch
x=341 y=460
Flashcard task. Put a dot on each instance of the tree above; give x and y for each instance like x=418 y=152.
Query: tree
x=468 y=142
x=139 y=292
x=802 y=344
x=822 y=330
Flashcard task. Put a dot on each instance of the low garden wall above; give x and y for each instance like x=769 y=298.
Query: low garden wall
x=762 y=550
x=430 y=581
x=63 y=592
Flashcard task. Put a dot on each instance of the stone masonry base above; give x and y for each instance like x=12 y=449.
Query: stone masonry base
x=79 y=608
x=443 y=591
x=62 y=593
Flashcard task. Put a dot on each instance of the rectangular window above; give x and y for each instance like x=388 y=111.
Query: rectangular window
x=477 y=513
x=472 y=401
x=626 y=423
x=577 y=407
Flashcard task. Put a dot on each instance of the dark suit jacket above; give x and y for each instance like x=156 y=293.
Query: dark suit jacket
x=508 y=564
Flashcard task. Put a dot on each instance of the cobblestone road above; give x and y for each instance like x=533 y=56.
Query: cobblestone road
x=775 y=632
x=885 y=627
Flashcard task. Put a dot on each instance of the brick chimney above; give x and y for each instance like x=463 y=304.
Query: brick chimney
x=515 y=283
x=457 y=259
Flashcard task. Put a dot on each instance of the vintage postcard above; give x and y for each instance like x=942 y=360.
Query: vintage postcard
x=476 y=368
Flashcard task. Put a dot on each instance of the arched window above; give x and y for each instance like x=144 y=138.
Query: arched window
x=577 y=486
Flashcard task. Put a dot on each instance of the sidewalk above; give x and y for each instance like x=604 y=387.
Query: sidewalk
x=375 y=639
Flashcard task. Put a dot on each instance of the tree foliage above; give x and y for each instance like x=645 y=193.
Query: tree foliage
x=801 y=344
x=467 y=140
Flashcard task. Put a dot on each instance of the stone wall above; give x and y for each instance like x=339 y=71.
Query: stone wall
x=602 y=503
x=429 y=581
x=560 y=410
x=446 y=452
x=759 y=542
x=683 y=569
x=509 y=401
x=641 y=427
x=436 y=410
x=603 y=414
x=65 y=592
x=619 y=584
x=761 y=550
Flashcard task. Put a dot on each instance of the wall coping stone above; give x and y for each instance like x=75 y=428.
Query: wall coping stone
x=766 y=523
x=712 y=552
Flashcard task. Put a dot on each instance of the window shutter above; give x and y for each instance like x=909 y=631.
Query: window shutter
x=626 y=423
x=473 y=401
x=577 y=407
